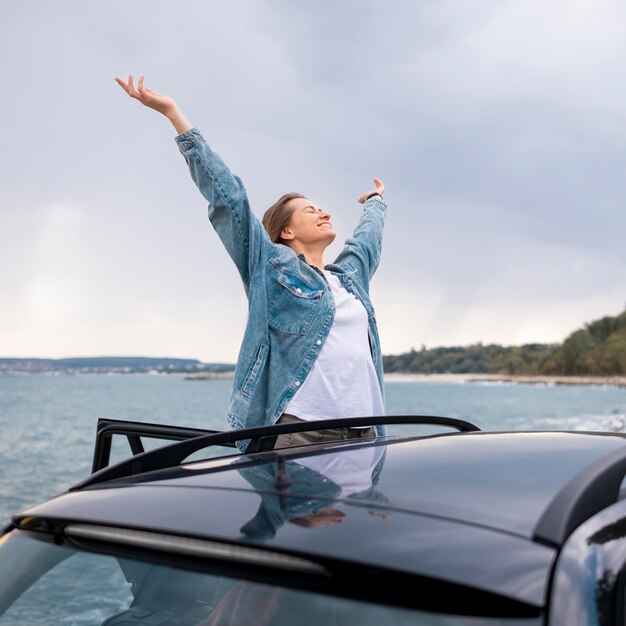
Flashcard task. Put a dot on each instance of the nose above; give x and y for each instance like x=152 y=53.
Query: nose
x=324 y=215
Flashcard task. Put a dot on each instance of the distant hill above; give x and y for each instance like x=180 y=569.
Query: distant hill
x=109 y=364
x=597 y=349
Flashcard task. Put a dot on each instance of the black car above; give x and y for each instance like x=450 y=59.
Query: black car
x=448 y=525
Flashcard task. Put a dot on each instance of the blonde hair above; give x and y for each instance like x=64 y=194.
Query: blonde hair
x=278 y=216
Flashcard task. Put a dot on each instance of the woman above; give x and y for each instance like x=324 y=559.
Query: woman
x=311 y=348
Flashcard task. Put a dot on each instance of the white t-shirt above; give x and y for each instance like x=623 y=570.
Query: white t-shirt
x=342 y=381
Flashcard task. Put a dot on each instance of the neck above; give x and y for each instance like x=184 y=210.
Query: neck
x=313 y=254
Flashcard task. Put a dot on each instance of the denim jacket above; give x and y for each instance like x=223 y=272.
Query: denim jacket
x=290 y=304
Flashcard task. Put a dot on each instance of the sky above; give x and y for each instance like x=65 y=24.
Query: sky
x=498 y=128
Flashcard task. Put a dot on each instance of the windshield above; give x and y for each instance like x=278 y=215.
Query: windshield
x=44 y=583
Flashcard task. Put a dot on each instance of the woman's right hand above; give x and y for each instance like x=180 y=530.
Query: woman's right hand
x=153 y=100
x=378 y=191
x=157 y=101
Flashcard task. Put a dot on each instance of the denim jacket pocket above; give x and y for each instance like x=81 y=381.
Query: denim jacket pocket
x=252 y=375
x=293 y=305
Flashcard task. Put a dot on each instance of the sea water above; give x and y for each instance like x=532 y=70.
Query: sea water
x=48 y=423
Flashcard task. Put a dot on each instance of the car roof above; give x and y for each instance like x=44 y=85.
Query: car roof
x=503 y=481
x=460 y=507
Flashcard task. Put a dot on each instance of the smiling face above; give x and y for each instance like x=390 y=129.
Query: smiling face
x=309 y=225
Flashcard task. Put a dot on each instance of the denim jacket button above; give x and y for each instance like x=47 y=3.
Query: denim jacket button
x=297 y=383
x=299 y=290
x=319 y=342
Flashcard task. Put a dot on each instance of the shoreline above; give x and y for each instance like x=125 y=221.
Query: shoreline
x=614 y=381
x=518 y=379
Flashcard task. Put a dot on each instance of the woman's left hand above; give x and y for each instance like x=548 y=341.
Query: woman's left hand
x=380 y=189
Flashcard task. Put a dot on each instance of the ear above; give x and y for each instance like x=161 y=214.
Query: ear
x=286 y=233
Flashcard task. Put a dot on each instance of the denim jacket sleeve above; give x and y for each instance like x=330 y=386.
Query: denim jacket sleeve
x=239 y=229
x=362 y=251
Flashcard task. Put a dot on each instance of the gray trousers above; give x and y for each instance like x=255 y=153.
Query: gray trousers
x=317 y=436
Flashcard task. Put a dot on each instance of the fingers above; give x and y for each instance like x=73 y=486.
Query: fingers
x=131 y=87
x=121 y=83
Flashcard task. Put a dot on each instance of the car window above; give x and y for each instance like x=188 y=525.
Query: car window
x=44 y=583
x=82 y=589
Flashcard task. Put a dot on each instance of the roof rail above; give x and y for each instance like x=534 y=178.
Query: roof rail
x=587 y=493
x=134 y=431
x=262 y=438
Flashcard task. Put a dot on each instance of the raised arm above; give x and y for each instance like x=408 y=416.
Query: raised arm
x=241 y=232
x=362 y=251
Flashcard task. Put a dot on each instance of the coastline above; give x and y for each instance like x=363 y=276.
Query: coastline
x=615 y=381
x=600 y=381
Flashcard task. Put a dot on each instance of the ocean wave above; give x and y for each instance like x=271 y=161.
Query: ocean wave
x=615 y=423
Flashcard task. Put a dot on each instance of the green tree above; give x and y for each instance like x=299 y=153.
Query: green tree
x=615 y=352
x=602 y=329
x=577 y=353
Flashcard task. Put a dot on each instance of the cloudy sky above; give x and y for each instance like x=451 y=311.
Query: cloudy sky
x=498 y=127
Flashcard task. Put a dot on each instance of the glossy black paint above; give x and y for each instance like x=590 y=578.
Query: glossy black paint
x=437 y=548
x=587 y=493
x=460 y=508
x=499 y=480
